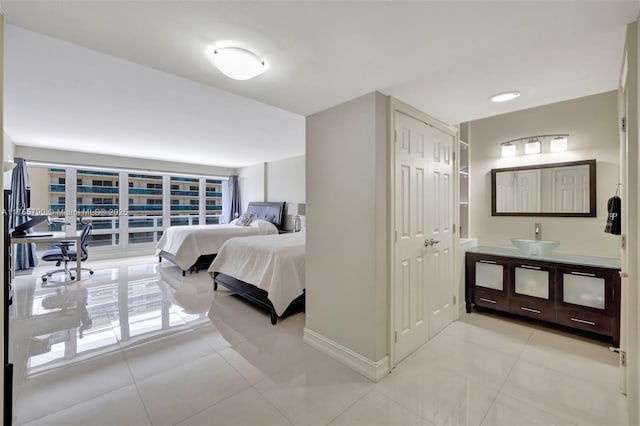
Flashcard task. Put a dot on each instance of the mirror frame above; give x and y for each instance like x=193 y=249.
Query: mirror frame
x=592 y=189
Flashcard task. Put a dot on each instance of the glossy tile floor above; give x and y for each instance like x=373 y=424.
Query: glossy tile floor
x=138 y=344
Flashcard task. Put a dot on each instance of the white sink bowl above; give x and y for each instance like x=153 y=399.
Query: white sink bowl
x=534 y=247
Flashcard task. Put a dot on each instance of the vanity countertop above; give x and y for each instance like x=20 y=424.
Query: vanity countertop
x=602 y=262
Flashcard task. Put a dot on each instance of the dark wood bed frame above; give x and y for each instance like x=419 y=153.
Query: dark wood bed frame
x=270 y=211
x=255 y=295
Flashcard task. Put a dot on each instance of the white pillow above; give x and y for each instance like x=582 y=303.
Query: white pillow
x=245 y=219
x=265 y=227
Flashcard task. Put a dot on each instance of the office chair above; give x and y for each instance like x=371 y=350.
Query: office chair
x=63 y=254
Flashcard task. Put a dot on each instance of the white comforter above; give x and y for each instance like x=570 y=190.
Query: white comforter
x=187 y=243
x=274 y=263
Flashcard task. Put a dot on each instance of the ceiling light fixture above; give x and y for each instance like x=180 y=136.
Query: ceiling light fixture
x=504 y=96
x=508 y=149
x=237 y=63
x=532 y=147
x=559 y=144
x=534 y=144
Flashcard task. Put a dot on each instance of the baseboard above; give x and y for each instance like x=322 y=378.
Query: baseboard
x=372 y=370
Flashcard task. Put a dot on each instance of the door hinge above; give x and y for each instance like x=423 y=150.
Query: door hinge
x=623 y=359
x=396 y=337
x=395 y=135
x=623 y=241
x=623 y=124
x=395 y=236
x=454 y=228
x=454 y=300
x=454 y=156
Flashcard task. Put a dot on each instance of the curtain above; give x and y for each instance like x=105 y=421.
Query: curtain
x=25 y=254
x=234 y=198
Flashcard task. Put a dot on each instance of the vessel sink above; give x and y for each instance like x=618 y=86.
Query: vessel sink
x=534 y=247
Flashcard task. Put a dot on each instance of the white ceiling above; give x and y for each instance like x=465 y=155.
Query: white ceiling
x=445 y=58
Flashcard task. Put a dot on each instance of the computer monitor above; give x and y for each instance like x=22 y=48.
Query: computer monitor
x=21 y=230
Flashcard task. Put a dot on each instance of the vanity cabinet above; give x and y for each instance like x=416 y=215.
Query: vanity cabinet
x=549 y=289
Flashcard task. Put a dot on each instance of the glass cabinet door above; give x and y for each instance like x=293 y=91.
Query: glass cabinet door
x=583 y=289
x=489 y=275
x=532 y=281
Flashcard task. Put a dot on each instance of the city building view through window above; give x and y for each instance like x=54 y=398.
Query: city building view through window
x=127 y=209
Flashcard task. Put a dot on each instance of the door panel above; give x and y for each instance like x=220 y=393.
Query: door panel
x=423 y=211
x=411 y=223
x=440 y=254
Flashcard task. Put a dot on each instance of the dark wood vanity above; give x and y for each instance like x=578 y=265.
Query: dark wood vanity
x=579 y=292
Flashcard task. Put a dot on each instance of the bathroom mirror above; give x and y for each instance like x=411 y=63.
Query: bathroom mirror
x=557 y=189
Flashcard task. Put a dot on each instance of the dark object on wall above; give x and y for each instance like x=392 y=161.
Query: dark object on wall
x=614 y=219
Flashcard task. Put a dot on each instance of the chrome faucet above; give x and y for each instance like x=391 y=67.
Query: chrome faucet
x=538 y=231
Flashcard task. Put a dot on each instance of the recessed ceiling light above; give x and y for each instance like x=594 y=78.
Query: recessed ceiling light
x=236 y=63
x=505 y=96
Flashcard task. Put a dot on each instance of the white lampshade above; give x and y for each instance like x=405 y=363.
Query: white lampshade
x=532 y=147
x=508 y=150
x=296 y=209
x=237 y=63
x=559 y=144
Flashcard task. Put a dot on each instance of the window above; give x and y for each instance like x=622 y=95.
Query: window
x=98 y=201
x=185 y=209
x=102 y=201
x=213 y=201
x=145 y=208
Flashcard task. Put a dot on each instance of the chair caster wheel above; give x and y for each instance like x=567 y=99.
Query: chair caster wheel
x=44 y=280
x=90 y=272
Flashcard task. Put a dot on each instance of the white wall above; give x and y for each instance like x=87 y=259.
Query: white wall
x=88 y=159
x=347 y=256
x=286 y=180
x=252 y=183
x=282 y=180
x=7 y=155
x=592 y=124
x=2 y=206
x=8 y=147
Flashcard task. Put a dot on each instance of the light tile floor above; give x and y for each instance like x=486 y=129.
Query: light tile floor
x=150 y=347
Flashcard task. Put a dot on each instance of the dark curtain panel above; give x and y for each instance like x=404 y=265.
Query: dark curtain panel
x=25 y=254
x=234 y=198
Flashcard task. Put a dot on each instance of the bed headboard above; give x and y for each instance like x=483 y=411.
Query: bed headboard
x=269 y=211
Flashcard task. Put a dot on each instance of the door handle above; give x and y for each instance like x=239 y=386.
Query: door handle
x=430 y=242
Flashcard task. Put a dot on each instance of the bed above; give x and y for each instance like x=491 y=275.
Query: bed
x=194 y=247
x=268 y=271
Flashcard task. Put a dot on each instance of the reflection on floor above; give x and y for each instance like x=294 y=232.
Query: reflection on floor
x=138 y=344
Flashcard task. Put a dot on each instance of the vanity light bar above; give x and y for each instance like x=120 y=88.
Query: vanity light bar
x=533 y=144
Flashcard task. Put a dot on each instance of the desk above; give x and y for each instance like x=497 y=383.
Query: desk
x=54 y=238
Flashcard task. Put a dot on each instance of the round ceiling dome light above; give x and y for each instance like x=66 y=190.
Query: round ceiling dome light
x=505 y=96
x=237 y=63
